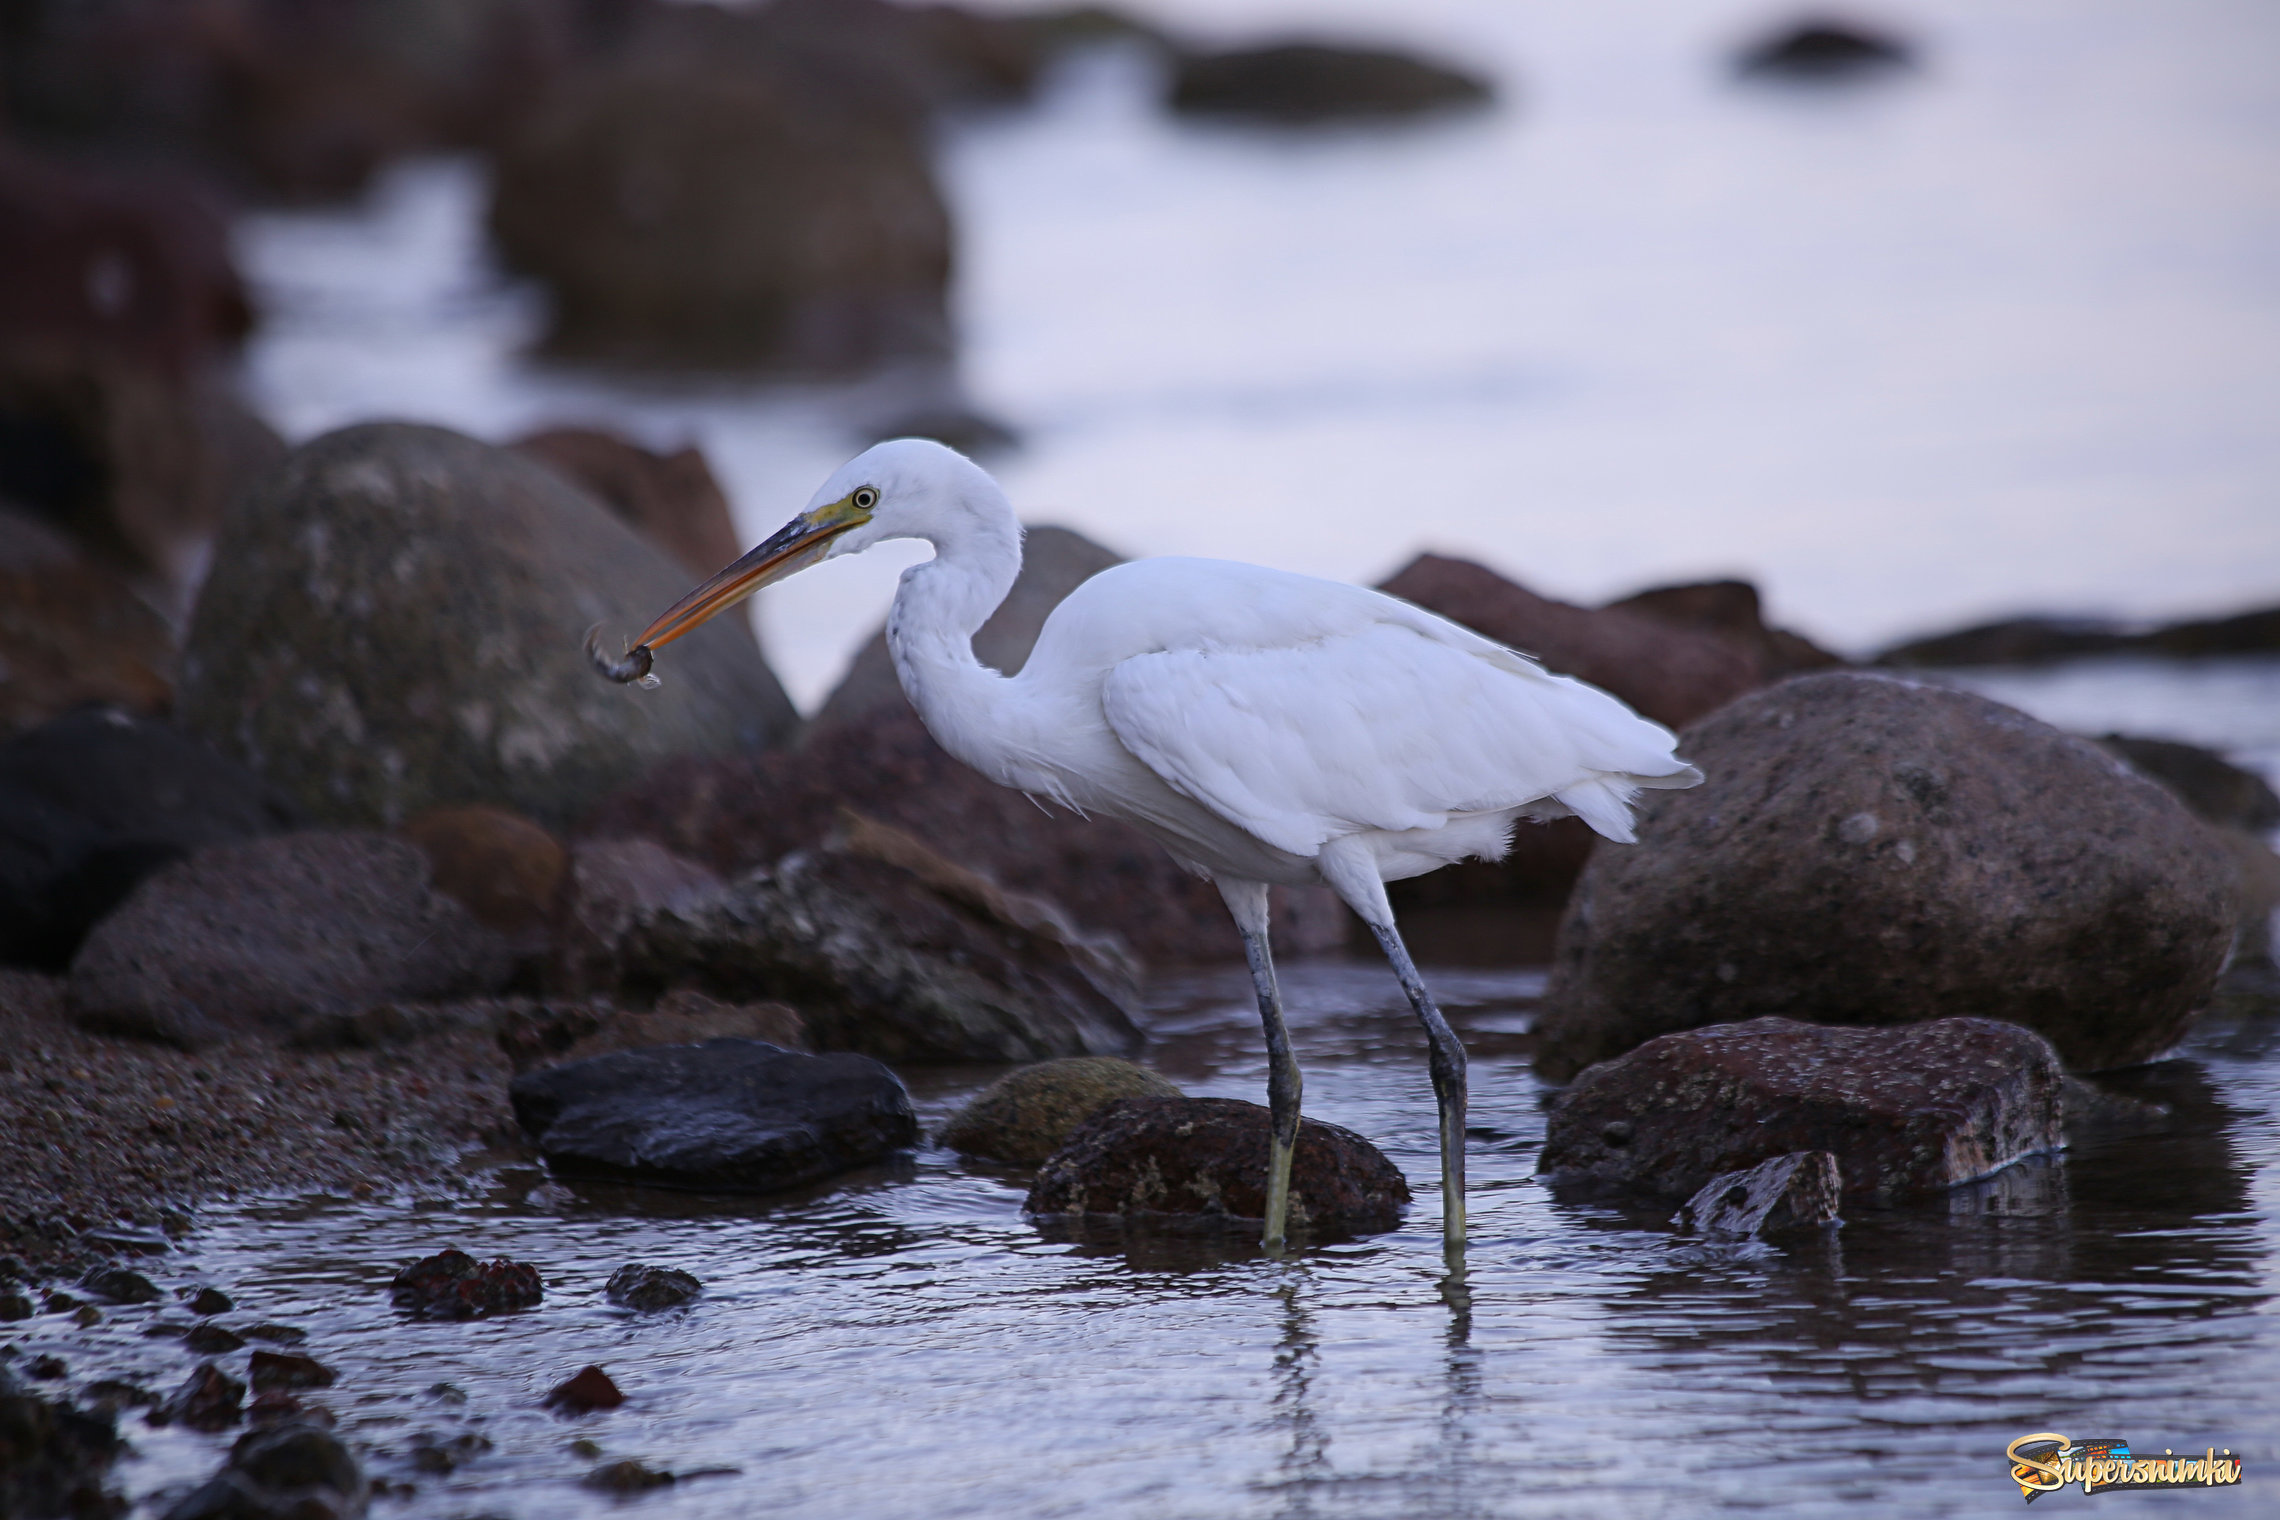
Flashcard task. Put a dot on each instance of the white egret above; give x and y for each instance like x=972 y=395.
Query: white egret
x=1263 y=726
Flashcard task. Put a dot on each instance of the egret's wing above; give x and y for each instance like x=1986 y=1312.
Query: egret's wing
x=1388 y=726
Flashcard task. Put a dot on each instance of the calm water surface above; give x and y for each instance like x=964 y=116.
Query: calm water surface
x=905 y=1343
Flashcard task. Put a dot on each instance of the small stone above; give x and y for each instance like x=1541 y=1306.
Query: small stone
x=210 y=1339
x=210 y=1301
x=1027 y=1115
x=87 y=1316
x=276 y=1335
x=165 y=1329
x=1205 y=1159
x=447 y=1393
x=116 y=1394
x=286 y=1369
x=588 y=1390
x=453 y=1285
x=438 y=1455
x=209 y=1399
x=272 y=1405
x=47 y=1368
x=627 y=1477
x=1795 y=1191
x=121 y=1285
x=15 y=1306
x=583 y=1447
x=635 y=1286
x=60 y=1302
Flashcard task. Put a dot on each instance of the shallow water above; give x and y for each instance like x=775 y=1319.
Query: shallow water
x=905 y=1343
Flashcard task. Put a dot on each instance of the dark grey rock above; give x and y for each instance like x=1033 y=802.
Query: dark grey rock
x=1054 y=562
x=396 y=621
x=1825 y=49
x=55 y=1459
x=121 y=1285
x=634 y=1286
x=1204 y=1161
x=211 y=1300
x=1026 y=1115
x=262 y=936
x=1796 y=1191
x=1872 y=851
x=95 y=801
x=888 y=949
x=294 y=1470
x=1294 y=83
x=210 y=1339
x=209 y=1399
x=1907 y=1113
x=727 y=1115
x=2217 y=790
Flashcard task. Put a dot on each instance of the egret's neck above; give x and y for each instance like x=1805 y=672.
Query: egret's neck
x=930 y=631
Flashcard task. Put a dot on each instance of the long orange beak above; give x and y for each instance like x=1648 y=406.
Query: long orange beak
x=790 y=549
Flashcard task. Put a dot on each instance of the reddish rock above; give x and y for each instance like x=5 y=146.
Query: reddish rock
x=645 y=1288
x=1796 y=1191
x=1871 y=851
x=737 y=814
x=1666 y=672
x=287 y=1370
x=612 y=882
x=265 y=935
x=670 y=499
x=1206 y=1159
x=556 y=1032
x=453 y=1285
x=587 y=1390
x=1906 y=1112
x=209 y=1399
x=1731 y=610
x=499 y=865
x=73 y=633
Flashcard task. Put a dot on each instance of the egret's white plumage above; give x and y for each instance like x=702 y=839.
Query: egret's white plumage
x=1266 y=727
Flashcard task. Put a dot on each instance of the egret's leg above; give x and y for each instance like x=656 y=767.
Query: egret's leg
x=1247 y=900
x=1448 y=1064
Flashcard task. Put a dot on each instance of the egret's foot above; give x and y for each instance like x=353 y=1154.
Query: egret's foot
x=1453 y=1179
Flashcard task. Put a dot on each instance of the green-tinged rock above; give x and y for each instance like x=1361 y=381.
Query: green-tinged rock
x=1027 y=1115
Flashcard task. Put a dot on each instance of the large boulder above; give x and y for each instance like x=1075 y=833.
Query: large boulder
x=721 y=200
x=1026 y=1115
x=1294 y=83
x=396 y=619
x=1054 y=562
x=886 y=948
x=671 y=499
x=1871 y=851
x=726 y=1115
x=1907 y=1113
x=734 y=815
x=265 y=935
x=611 y=883
x=1204 y=1161
x=94 y=802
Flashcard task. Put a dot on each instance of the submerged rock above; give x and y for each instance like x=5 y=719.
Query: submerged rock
x=208 y=1399
x=121 y=1285
x=727 y=1115
x=1906 y=1112
x=1205 y=1160
x=453 y=1285
x=634 y=1286
x=291 y=1470
x=628 y=1477
x=396 y=621
x=94 y=803
x=268 y=1370
x=587 y=1390
x=1796 y=1191
x=261 y=936
x=889 y=949
x=1026 y=1115
x=1300 y=82
x=1872 y=851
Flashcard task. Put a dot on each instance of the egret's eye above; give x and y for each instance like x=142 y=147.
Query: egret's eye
x=866 y=498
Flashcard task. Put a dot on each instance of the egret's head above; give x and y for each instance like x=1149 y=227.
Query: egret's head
x=904 y=488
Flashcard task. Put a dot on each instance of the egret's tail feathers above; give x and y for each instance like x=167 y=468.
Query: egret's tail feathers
x=1605 y=803
x=1676 y=781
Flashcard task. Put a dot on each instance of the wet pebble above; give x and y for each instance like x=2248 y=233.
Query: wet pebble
x=453 y=1285
x=635 y=1286
x=211 y=1301
x=627 y=1477
x=210 y=1339
x=87 y=1316
x=435 y=1454
x=293 y=1471
x=588 y=1390
x=209 y=1399
x=281 y=1335
x=121 y=1285
x=117 y=1393
x=286 y=1369
x=15 y=1306
x=46 y=1368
